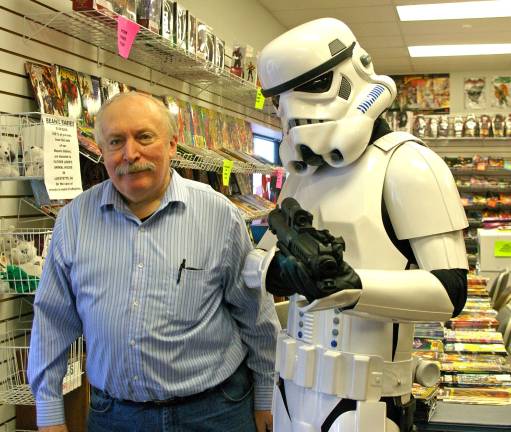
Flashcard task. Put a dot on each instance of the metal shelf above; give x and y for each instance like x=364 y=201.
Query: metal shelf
x=99 y=28
x=467 y=140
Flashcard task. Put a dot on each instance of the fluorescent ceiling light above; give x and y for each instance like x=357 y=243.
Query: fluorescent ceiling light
x=458 y=50
x=448 y=11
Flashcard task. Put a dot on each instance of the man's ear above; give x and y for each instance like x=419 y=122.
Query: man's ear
x=173 y=146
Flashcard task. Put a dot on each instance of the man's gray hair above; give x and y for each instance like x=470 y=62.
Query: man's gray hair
x=165 y=114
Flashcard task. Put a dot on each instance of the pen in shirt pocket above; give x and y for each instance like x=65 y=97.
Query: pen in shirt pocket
x=181 y=267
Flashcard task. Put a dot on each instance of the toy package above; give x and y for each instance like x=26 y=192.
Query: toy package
x=180 y=17
x=220 y=53
x=167 y=20
x=149 y=14
x=205 y=42
x=191 y=32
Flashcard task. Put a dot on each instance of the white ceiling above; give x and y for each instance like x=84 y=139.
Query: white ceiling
x=378 y=29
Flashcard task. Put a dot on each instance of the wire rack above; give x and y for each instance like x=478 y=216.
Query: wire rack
x=99 y=28
x=21 y=146
x=22 y=255
x=14 y=387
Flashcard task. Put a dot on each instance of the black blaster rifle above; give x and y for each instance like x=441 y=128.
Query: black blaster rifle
x=319 y=251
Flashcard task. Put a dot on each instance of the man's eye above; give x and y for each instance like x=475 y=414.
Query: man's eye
x=114 y=142
x=146 y=138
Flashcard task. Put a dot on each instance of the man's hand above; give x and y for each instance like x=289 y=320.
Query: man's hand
x=263 y=421
x=56 y=428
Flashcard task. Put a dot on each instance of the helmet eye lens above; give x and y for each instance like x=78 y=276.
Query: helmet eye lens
x=319 y=84
x=275 y=101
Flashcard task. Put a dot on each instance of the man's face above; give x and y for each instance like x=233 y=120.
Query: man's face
x=137 y=149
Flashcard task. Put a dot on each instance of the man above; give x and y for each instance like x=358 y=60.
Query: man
x=148 y=266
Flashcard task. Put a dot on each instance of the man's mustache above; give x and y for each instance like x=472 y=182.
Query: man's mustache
x=134 y=168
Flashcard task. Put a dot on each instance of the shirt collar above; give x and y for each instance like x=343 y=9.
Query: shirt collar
x=176 y=192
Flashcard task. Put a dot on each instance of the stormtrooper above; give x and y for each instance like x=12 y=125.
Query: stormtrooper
x=382 y=209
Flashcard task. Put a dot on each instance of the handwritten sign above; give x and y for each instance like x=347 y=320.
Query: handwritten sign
x=259 y=102
x=280 y=176
x=126 y=32
x=62 y=176
x=226 y=171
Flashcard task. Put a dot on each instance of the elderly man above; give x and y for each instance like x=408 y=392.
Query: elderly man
x=148 y=266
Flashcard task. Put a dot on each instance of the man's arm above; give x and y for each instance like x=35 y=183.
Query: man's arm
x=56 y=325
x=255 y=314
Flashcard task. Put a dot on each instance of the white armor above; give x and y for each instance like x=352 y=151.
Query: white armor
x=329 y=354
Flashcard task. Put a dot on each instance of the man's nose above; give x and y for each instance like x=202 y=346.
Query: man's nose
x=131 y=150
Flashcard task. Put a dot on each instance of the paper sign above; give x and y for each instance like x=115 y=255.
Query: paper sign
x=226 y=171
x=280 y=175
x=259 y=102
x=62 y=176
x=502 y=248
x=126 y=32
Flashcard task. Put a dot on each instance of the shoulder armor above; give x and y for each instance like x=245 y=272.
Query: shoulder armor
x=420 y=193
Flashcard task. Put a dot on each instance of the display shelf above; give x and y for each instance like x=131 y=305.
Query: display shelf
x=484 y=189
x=504 y=141
x=99 y=28
x=487 y=207
x=487 y=172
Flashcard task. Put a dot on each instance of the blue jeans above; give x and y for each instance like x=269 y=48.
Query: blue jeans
x=227 y=408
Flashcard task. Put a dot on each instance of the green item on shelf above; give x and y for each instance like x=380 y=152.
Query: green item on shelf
x=20 y=281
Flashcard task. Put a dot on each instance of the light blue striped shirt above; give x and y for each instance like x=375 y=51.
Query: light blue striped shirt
x=149 y=337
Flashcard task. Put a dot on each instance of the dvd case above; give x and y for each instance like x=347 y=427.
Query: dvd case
x=205 y=42
x=43 y=79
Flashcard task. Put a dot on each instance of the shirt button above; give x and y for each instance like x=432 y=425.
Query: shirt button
x=135 y=378
x=135 y=303
x=140 y=265
x=132 y=342
x=142 y=229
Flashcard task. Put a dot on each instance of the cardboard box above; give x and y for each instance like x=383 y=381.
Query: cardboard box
x=85 y=5
x=494 y=249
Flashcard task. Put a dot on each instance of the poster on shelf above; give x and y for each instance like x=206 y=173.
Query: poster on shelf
x=474 y=89
x=501 y=91
x=167 y=20
x=62 y=176
x=426 y=93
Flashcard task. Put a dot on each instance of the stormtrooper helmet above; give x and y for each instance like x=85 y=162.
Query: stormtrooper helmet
x=326 y=93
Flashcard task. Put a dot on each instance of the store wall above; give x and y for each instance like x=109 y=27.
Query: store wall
x=245 y=22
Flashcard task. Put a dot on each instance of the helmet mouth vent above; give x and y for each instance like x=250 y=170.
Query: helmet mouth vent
x=303 y=122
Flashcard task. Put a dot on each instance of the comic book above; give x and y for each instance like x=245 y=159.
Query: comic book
x=67 y=81
x=90 y=93
x=43 y=79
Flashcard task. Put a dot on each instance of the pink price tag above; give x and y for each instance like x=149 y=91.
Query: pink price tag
x=126 y=32
x=280 y=174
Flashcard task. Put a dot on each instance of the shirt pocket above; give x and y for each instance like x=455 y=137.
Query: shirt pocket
x=192 y=296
